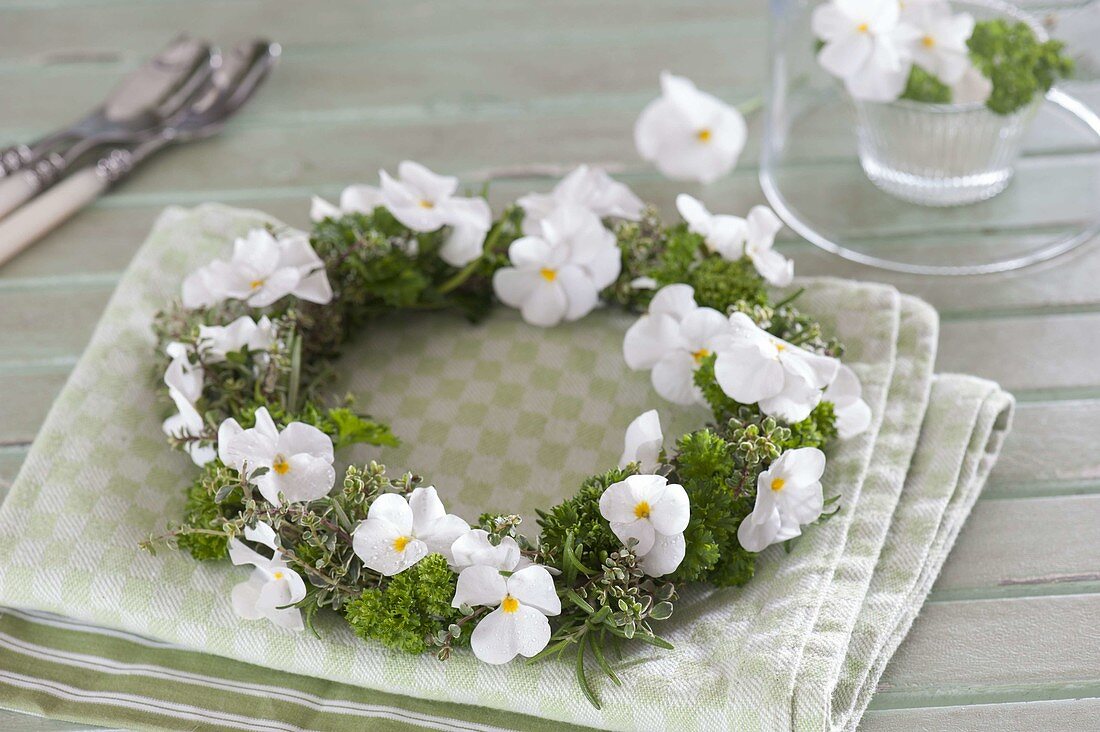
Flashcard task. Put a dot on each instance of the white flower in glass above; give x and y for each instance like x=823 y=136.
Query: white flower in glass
x=755 y=367
x=673 y=338
x=689 y=134
x=788 y=496
x=473 y=547
x=271 y=587
x=558 y=274
x=298 y=459
x=263 y=269
x=354 y=199
x=518 y=625
x=398 y=533
x=591 y=188
x=853 y=415
x=215 y=341
x=940 y=46
x=733 y=237
x=653 y=513
x=424 y=201
x=643 y=442
x=973 y=87
x=866 y=45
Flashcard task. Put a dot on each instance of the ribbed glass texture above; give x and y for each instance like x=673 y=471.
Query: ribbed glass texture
x=939 y=155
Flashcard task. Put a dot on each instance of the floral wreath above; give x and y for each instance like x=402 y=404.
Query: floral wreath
x=250 y=346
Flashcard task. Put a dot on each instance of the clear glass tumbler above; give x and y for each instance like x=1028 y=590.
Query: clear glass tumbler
x=939 y=154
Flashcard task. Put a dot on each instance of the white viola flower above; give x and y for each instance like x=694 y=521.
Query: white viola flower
x=591 y=188
x=853 y=415
x=272 y=586
x=558 y=274
x=973 y=87
x=424 y=201
x=215 y=341
x=398 y=533
x=187 y=425
x=474 y=548
x=673 y=338
x=653 y=513
x=518 y=625
x=643 y=442
x=182 y=376
x=689 y=134
x=354 y=199
x=788 y=496
x=733 y=237
x=643 y=283
x=866 y=45
x=262 y=270
x=298 y=459
x=940 y=46
x=755 y=367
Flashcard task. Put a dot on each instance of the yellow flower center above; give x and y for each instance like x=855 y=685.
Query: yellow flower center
x=509 y=604
x=256 y=284
x=781 y=347
x=777 y=484
x=280 y=465
x=700 y=355
x=548 y=274
x=278 y=575
x=863 y=27
x=400 y=543
x=703 y=135
x=642 y=510
x=928 y=41
x=424 y=203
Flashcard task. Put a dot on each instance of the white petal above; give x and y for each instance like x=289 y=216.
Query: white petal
x=473 y=547
x=394 y=509
x=673 y=378
x=853 y=419
x=360 y=199
x=747 y=375
x=617 y=502
x=263 y=534
x=265 y=425
x=241 y=553
x=581 y=294
x=754 y=534
x=973 y=87
x=700 y=326
x=376 y=543
x=819 y=371
x=643 y=442
x=802 y=466
x=829 y=21
x=773 y=267
x=641 y=530
x=531 y=252
x=434 y=186
x=307 y=478
x=426 y=508
x=512 y=286
x=314 y=287
x=845 y=388
x=320 y=209
x=479 y=585
x=441 y=536
x=545 y=305
x=675 y=300
x=535 y=587
x=670 y=513
x=463 y=246
x=648 y=340
x=244 y=598
x=665 y=556
x=803 y=503
x=846 y=55
x=299 y=437
x=794 y=402
x=500 y=636
x=227 y=432
x=696 y=215
x=276 y=286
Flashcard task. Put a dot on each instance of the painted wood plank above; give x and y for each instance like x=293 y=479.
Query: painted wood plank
x=19 y=722
x=1070 y=714
x=24 y=401
x=964 y=652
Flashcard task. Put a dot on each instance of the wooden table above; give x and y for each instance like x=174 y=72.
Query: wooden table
x=1008 y=639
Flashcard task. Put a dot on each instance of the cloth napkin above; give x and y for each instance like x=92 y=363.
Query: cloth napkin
x=501 y=416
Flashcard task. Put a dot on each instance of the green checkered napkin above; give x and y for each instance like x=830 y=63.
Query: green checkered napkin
x=500 y=416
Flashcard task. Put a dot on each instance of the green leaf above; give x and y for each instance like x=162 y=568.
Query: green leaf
x=352 y=429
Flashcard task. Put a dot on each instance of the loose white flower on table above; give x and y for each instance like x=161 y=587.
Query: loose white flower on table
x=262 y=270
x=474 y=548
x=591 y=188
x=673 y=338
x=689 y=134
x=518 y=625
x=298 y=459
x=215 y=341
x=271 y=587
x=788 y=496
x=398 y=533
x=643 y=442
x=853 y=415
x=354 y=199
x=755 y=367
x=558 y=274
x=866 y=45
x=733 y=237
x=653 y=513
x=940 y=46
x=425 y=201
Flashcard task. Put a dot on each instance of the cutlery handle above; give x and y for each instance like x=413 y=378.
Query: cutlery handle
x=15 y=158
x=37 y=218
x=15 y=190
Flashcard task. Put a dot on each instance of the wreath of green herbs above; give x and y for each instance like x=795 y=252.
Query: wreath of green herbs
x=606 y=598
